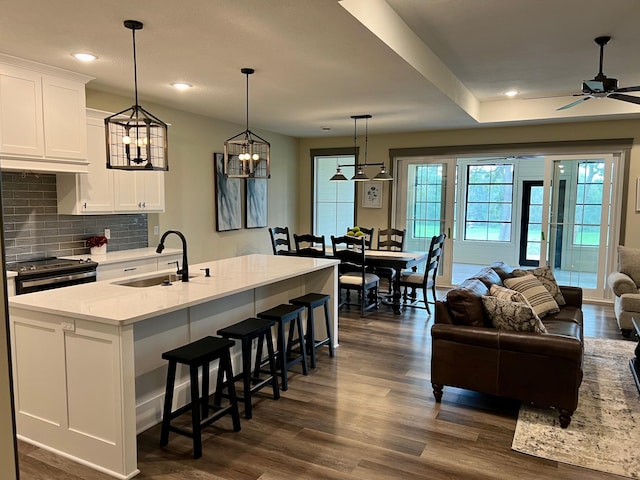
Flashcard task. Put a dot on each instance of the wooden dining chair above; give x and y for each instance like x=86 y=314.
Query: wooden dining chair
x=390 y=239
x=309 y=245
x=369 y=233
x=280 y=240
x=426 y=280
x=353 y=274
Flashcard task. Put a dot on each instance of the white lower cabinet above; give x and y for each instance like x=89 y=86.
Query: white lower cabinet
x=137 y=267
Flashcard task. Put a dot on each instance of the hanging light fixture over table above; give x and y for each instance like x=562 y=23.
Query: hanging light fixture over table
x=136 y=139
x=247 y=155
x=360 y=175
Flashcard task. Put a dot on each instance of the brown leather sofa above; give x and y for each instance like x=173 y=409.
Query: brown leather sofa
x=544 y=369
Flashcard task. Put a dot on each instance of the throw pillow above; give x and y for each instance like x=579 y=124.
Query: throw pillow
x=502 y=269
x=515 y=316
x=465 y=303
x=505 y=293
x=547 y=279
x=539 y=297
x=629 y=262
x=488 y=276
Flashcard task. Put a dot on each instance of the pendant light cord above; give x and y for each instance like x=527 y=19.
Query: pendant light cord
x=247 y=75
x=366 y=138
x=135 y=67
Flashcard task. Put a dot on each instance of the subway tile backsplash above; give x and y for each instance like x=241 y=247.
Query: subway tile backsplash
x=33 y=228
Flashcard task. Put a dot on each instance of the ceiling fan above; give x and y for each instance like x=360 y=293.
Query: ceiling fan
x=602 y=86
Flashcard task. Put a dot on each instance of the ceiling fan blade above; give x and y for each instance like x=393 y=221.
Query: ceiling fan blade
x=573 y=104
x=624 y=98
x=628 y=89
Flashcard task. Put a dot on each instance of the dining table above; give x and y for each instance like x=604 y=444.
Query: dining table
x=399 y=261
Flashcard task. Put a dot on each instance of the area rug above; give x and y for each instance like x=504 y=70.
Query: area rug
x=604 y=433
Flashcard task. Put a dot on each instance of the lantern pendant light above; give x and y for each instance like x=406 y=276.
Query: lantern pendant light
x=136 y=139
x=247 y=155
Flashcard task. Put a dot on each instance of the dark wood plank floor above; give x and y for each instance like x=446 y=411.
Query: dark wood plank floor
x=368 y=413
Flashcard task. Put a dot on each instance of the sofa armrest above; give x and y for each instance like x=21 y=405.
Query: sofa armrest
x=621 y=283
x=572 y=295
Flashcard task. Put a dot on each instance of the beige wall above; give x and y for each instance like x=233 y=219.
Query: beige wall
x=189 y=184
x=379 y=146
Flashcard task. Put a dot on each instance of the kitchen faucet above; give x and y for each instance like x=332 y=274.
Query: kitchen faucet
x=185 y=265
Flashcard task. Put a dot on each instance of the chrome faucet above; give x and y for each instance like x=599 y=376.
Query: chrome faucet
x=185 y=265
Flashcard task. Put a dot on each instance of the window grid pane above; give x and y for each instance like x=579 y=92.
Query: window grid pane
x=427 y=208
x=588 y=210
x=489 y=202
x=334 y=201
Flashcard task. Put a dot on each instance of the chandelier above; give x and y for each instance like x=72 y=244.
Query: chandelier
x=247 y=155
x=360 y=175
x=136 y=139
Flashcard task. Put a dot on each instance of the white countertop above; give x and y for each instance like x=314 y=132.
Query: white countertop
x=107 y=302
x=126 y=255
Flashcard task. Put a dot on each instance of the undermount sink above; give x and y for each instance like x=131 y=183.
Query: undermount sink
x=164 y=279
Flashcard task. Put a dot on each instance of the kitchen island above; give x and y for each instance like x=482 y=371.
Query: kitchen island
x=88 y=373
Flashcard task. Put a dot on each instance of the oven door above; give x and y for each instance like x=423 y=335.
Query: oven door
x=37 y=283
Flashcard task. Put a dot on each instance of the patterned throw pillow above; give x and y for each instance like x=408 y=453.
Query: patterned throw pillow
x=514 y=316
x=545 y=275
x=539 y=297
x=505 y=293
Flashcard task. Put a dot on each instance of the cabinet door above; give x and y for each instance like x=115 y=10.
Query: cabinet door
x=96 y=187
x=126 y=194
x=21 y=128
x=64 y=118
x=152 y=184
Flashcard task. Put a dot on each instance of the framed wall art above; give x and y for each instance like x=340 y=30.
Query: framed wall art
x=228 y=197
x=256 y=205
x=372 y=195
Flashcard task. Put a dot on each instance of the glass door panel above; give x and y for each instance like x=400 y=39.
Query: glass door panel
x=531 y=223
x=424 y=205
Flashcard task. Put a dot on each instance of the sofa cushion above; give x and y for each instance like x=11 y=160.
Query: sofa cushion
x=502 y=269
x=514 y=316
x=465 y=303
x=488 y=276
x=555 y=326
x=547 y=279
x=538 y=296
x=629 y=262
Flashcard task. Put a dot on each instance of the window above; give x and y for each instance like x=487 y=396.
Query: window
x=489 y=202
x=590 y=183
x=333 y=202
x=427 y=205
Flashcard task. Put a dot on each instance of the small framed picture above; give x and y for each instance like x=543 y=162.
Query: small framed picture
x=372 y=195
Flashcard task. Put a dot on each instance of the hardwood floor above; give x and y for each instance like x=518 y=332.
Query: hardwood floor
x=368 y=413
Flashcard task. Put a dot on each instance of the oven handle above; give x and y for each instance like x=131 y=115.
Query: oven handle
x=59 y=279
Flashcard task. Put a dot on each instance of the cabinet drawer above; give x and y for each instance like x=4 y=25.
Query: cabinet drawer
x=124 y=269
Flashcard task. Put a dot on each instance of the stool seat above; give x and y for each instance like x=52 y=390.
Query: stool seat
x=246 y=331
x=284 y=314
x=311 y=301
x=200 y=354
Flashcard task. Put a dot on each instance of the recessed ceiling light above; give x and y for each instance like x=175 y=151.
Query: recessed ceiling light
x=511 y=93
x=181 y=85
x=84 y=57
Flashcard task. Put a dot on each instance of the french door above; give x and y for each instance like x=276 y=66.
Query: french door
x=425 y=205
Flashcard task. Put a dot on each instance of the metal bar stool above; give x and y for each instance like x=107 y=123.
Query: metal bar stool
x=199 y=354
x=311 y=301
x=246 y=331
x=284 y=314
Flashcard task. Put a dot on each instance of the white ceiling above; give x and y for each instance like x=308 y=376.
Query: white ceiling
x=412 y=64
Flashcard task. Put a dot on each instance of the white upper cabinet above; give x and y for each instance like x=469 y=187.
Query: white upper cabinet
x=104 y=190
x=93 y=192
x=42 y=117
x=138 y=191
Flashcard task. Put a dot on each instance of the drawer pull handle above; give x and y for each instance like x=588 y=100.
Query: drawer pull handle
x=130 y=269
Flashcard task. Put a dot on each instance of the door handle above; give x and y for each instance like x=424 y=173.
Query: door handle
x=542 y=236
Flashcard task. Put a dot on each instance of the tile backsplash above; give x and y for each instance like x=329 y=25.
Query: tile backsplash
x=33 y=228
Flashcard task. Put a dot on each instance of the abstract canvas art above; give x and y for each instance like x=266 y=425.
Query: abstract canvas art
x=228 y=198
x=256 y=211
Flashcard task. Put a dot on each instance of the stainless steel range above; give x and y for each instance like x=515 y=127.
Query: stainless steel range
x=48 y=273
